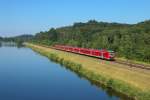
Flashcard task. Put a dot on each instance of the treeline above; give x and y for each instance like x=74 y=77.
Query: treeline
x=17 y=39
x=1 y=38
x=130 y=41
x=127 y=40
x=0 y=41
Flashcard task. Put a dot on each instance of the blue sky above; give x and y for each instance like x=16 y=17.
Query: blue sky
x=31 y=16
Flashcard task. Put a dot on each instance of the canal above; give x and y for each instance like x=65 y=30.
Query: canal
x=26 y=75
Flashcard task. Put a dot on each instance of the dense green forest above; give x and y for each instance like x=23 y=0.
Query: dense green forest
x=18 y=39
x=131 y=41
x=0 y=41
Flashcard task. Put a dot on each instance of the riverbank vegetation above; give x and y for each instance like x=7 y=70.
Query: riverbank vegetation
x=131 y=41
x=17 y=39
x=133 y=83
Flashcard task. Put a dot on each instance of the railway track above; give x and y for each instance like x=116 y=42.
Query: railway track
x=130 y=64
x=141 y=66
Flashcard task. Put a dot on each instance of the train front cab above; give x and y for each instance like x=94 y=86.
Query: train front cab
x=111 y=55
x=107 y=55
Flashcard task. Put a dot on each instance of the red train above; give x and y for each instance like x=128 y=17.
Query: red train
x=103 y=54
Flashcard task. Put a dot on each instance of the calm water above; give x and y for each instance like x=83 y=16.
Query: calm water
x=26 y=75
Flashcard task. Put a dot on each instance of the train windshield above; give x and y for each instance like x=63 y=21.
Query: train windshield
x=112 y=53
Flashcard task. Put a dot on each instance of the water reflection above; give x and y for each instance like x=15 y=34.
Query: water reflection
x=108 y=90
x=27 y=76
x=11 y=44
x=42 y=79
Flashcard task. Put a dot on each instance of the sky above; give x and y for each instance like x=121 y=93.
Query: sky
x=32 y=16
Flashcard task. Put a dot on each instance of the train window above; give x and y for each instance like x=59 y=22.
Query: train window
x=112 y=54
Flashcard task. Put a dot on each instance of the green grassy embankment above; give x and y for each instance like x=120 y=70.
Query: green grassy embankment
x=132 y=82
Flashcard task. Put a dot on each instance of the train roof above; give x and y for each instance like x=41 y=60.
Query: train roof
x=103 y=50
x=111 y=51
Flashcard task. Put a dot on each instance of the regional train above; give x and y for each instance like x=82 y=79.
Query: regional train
x=102 y=54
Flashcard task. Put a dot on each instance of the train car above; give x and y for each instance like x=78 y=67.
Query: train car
x=103 y=54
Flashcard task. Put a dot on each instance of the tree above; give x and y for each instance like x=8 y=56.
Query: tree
x=127 y=47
